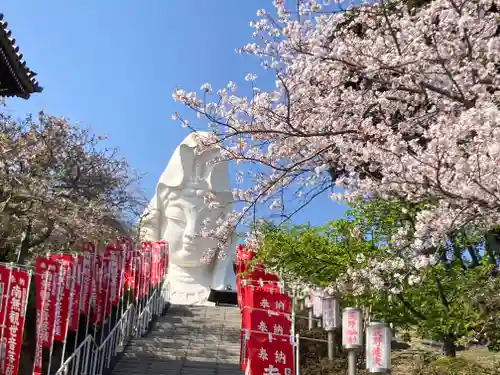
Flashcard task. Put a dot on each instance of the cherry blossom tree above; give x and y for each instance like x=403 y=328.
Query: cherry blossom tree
x=59 y=186
x=382 y=99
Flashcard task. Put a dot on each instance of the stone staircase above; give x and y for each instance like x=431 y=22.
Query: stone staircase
x=190 y=340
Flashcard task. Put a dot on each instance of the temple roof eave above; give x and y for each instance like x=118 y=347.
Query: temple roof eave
x=12 y=59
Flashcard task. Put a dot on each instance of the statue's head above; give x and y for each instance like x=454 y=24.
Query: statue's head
x=192 y=172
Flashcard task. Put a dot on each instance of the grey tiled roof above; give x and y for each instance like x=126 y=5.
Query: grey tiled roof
x=12 y=59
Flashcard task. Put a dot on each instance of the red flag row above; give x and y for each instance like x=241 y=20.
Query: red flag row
x=91 y=284
x=266 y=322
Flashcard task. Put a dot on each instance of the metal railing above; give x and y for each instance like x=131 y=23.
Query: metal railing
x=145 y=316
x=78 y=362
x=103 y=355
x=92 y=359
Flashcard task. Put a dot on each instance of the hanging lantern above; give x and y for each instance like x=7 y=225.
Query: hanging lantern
x=378 y=347
x=309 y=299
x=331 y=313
x=352 y=328
x=317 y=303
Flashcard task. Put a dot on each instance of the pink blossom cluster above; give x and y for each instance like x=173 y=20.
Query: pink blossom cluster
x=380 y=99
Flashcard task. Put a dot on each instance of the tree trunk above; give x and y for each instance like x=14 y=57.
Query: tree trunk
x=24 y=246
x=28 y=241
x=449 y=347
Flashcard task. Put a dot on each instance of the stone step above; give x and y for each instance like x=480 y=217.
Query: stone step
x=191 y=340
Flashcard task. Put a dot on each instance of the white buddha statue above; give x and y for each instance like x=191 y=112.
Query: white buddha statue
x=178 y=214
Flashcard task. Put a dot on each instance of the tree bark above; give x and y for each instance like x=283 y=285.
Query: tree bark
x=28 y=241
x=449 y=346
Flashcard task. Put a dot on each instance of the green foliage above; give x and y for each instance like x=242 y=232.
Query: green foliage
x=316 y=255
x=449 y=304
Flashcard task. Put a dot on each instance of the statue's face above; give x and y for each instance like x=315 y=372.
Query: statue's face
x=186 y=215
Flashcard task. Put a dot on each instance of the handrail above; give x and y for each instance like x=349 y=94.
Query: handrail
x=89 y=358
x=146 y=309
x=115 y=328
x=78 y=348
x=84 y=348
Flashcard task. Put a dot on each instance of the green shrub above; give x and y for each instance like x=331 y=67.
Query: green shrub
x=455 y=366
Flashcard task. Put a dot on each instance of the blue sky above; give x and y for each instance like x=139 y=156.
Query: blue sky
x=113 y=65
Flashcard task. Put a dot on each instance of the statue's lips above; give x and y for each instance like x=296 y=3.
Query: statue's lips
x=189 y=249
x=187 y=253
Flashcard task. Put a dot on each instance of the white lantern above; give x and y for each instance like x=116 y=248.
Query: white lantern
x=317 y=303
x=378 y=347
x=309 y=300
x=331 y=313
x=352 y=328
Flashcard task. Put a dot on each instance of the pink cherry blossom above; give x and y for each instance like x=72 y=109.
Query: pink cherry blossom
x=379 y=100
x=60 y=187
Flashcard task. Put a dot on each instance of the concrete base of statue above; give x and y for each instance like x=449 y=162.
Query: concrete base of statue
x=192 y=286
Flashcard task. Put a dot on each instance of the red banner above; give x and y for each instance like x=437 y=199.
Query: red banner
x=267 y=354
x=129 y=273
x=146 y=272
x=87 y=283
x=101 y=277
x=141 y=274
x=164 y=258
x=66 y=295
x=155 y=264
x=116 y=270
x=47 y=289
x=12 y=314
x=266 y=321
x=266 y=297
x=75 y=303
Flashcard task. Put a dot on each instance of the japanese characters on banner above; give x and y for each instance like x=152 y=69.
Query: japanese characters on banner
x=378 y=347
x=77 y=292
x=266 y=322
x=14 y=284
x=112 y=280
x=64 y=306
x=87 y=283
x=139 y=277
x=145 y=271
x=265 y=356
x=46 y=300
x=69 y=285
x=266 y=299
x=156 y=263
x=115 y=267
x=128 y=270
x=352 y=328
x=99 y=282
x=243 y=256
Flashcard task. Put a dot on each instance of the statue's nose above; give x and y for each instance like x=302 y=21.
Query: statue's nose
x=188 y=238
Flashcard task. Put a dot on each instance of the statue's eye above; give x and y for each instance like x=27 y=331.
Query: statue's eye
x=176 y=214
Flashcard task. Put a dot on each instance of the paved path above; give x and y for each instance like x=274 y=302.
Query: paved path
x=187 y=341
